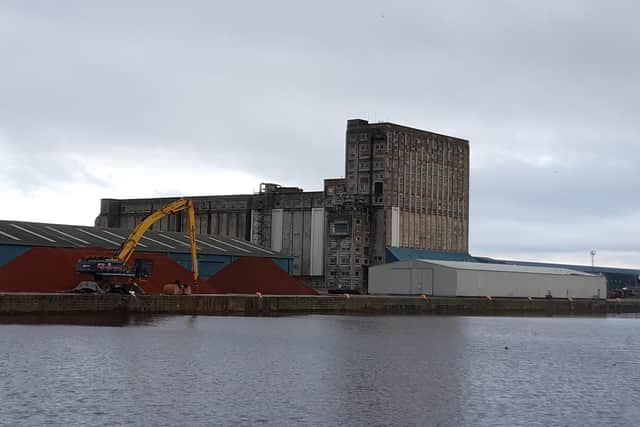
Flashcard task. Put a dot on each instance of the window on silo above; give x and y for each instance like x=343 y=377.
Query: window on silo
x=340 y=228
x=377 y=189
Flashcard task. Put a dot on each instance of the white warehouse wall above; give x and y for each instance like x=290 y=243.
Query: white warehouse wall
x=423 y=277
x=411 y=278
x=509 y=284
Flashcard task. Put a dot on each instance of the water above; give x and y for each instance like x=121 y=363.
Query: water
x=321 y=370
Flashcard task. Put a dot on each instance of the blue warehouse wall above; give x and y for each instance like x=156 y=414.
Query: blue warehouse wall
x=9 y=252
x=210 y=265
x=284 y=263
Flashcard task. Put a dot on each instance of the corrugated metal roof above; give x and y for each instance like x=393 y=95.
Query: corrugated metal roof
x=79 y=236
x=479 y=266
x=585 y=268
x=405 y=254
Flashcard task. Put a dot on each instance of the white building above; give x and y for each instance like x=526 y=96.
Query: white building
x=458 y=278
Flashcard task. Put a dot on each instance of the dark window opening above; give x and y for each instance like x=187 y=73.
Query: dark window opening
x=340 y=228
x=377 y=188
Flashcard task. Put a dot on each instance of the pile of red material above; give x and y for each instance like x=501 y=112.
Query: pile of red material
x=54 y=269
x=42 y=269
x=249 y=275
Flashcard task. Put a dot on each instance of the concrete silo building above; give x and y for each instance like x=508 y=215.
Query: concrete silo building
x=403 y=187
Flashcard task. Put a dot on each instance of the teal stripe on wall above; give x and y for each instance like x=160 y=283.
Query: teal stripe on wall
x=9 y=252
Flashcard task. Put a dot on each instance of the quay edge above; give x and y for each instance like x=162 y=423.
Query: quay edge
x=280 y=305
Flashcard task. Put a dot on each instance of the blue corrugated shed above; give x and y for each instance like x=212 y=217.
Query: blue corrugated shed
x=210 y=265
x=214 y=252
x=8 y=253
x=393 y=254
x=616 y=277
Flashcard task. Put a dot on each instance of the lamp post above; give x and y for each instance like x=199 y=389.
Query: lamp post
x=593 y=257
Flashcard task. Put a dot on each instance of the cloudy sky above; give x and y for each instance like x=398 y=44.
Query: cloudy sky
x=146 y=98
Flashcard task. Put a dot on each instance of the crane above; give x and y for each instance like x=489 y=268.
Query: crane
x=113 y=274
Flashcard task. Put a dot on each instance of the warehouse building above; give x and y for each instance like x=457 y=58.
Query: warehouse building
x=473 y=279
x=403 y=187
x=39 y=257
x=617 y=278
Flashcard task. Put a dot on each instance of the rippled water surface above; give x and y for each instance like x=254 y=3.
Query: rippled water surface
x=320 y=370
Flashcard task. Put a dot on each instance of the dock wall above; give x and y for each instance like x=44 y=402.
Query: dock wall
x=282 y=305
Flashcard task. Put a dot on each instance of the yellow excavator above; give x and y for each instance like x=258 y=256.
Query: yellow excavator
x=114 y=274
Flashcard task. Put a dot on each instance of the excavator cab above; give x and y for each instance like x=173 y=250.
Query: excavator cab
x=142 y=268
x=101 y=266
x=107 y=275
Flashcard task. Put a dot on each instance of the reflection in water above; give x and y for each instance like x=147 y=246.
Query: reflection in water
x=80 y=318
x=320 y=370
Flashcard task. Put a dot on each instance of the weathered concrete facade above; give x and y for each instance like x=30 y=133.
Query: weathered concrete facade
x=246 y=217
x=402 y=187
x=221 y=215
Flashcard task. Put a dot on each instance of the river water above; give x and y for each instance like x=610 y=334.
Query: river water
x=320 y=370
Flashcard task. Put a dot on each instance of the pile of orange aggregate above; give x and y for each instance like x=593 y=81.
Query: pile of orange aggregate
x=249 y=275
x=42 y=269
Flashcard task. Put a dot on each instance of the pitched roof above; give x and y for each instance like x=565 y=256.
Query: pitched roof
x=79 y=236
x=404 y=254
x=505 y=268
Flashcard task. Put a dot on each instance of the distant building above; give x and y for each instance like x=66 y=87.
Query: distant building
x=403 y=187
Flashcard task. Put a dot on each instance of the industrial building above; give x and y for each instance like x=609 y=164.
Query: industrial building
x=473 y=279
x=403 y=187
x=404 y=196
x=279 y=218
x=616 y=277
x=39 y=257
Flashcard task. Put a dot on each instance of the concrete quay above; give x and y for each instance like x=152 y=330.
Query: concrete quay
x=282 y=305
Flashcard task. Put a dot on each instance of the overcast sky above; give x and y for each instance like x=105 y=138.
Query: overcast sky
x=147 y=98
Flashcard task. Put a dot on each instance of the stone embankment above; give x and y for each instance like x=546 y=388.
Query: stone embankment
x=282 y=305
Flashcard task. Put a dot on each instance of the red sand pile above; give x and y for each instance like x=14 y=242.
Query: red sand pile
x=249 y=275
x=53 y=270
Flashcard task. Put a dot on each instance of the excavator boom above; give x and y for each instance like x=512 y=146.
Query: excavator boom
x=129 y=245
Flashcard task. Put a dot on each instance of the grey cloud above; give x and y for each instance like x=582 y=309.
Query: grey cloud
x=546 y=92
x=33 y=171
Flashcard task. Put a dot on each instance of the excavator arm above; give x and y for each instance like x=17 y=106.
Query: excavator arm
x=129 y=245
